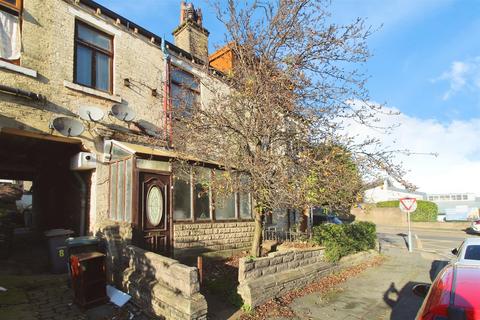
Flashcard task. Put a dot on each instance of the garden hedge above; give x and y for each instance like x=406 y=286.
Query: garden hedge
x=344 y=239
x=427 y=211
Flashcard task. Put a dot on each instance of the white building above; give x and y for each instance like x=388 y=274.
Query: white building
x=456 y=206
x=386 y=191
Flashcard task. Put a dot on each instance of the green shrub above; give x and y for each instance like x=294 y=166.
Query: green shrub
x=427 y=211
x=344 y=239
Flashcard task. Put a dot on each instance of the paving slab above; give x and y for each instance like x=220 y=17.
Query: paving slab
x=383 y=292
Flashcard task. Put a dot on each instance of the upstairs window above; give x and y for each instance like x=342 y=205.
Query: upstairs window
x=10 y=33
x=93 y=58
x=16 y=5
x=185 y=91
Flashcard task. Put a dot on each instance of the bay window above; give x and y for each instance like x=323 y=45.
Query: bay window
x=194 y=199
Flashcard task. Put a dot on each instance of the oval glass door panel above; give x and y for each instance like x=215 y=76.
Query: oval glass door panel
x=154 y=206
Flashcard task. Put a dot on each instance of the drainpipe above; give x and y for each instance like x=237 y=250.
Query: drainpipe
x=166 y=95
x=83 y=207
x=22 y=93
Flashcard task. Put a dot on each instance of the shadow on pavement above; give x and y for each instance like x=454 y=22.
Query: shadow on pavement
x=404 y=303
x=404 y=237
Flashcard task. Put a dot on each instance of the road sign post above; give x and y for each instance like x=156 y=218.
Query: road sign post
x=408 y=205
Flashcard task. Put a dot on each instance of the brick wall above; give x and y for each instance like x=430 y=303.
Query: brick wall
x=204 y=237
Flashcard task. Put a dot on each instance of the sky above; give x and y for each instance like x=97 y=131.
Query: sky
x=425 y=64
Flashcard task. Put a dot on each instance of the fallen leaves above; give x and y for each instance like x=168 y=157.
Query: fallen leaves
x=279 y=307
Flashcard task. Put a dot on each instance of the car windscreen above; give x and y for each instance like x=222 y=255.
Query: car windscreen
x=472 y=252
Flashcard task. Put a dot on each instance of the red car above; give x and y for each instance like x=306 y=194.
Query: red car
x=455 y=294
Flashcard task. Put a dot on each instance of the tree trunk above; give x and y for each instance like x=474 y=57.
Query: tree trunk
x=257 y=234
x=304 y=221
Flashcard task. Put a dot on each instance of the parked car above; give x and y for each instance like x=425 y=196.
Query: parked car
x=468 y=253
x=322 y=219
x=452 y=296
x=475 y=226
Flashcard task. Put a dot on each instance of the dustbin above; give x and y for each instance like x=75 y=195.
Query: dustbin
x=83 y=244
x=57 y=249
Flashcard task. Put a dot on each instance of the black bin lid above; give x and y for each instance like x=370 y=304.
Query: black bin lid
x=82 y=241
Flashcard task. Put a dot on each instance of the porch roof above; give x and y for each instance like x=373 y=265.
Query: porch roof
x=150 y=150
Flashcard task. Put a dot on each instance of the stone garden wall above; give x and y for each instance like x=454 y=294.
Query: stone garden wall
x=191 y=238
x=163 y=286
x=262 y=279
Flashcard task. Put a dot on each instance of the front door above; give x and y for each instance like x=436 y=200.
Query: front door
x=155 y=212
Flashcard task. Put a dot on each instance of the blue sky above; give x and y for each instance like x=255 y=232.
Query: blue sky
x=426 y=64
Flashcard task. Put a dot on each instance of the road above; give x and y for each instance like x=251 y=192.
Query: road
x=385 y=292
x=439 y=242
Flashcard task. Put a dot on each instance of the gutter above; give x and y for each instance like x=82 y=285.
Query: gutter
x=23 y=93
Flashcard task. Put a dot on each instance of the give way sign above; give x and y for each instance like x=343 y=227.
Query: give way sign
x=408 y=205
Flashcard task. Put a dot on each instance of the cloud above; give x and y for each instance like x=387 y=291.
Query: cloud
x=462 y=75
x=457 y=167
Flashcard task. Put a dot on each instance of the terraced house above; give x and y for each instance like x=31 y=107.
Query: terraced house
x=86 y=100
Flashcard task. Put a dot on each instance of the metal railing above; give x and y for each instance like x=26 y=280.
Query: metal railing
x=281 y=235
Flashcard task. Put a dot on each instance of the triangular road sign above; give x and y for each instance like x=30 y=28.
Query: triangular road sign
x=408 y=204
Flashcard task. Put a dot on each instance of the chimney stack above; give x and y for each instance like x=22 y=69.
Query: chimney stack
x=190 y=35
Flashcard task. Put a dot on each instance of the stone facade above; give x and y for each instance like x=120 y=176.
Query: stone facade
x=205 y=237
x=47 y=70
x=163 y=285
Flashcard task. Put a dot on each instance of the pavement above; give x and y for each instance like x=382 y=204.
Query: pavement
x=32 y=292
x=385 y=292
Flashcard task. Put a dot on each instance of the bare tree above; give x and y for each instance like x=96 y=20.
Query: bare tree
x=294 y=76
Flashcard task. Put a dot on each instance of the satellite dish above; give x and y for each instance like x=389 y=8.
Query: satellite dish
x=90 y=113
x=68 y=126
x=122 y=112
x=149 y=128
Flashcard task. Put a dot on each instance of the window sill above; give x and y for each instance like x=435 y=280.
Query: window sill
x=93 y=92
x=18 y=69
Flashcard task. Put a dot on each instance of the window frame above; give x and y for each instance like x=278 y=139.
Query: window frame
x=182 y=86
x=191 y=198
x=95 y=49
x=114 y=169
x=17 y=8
